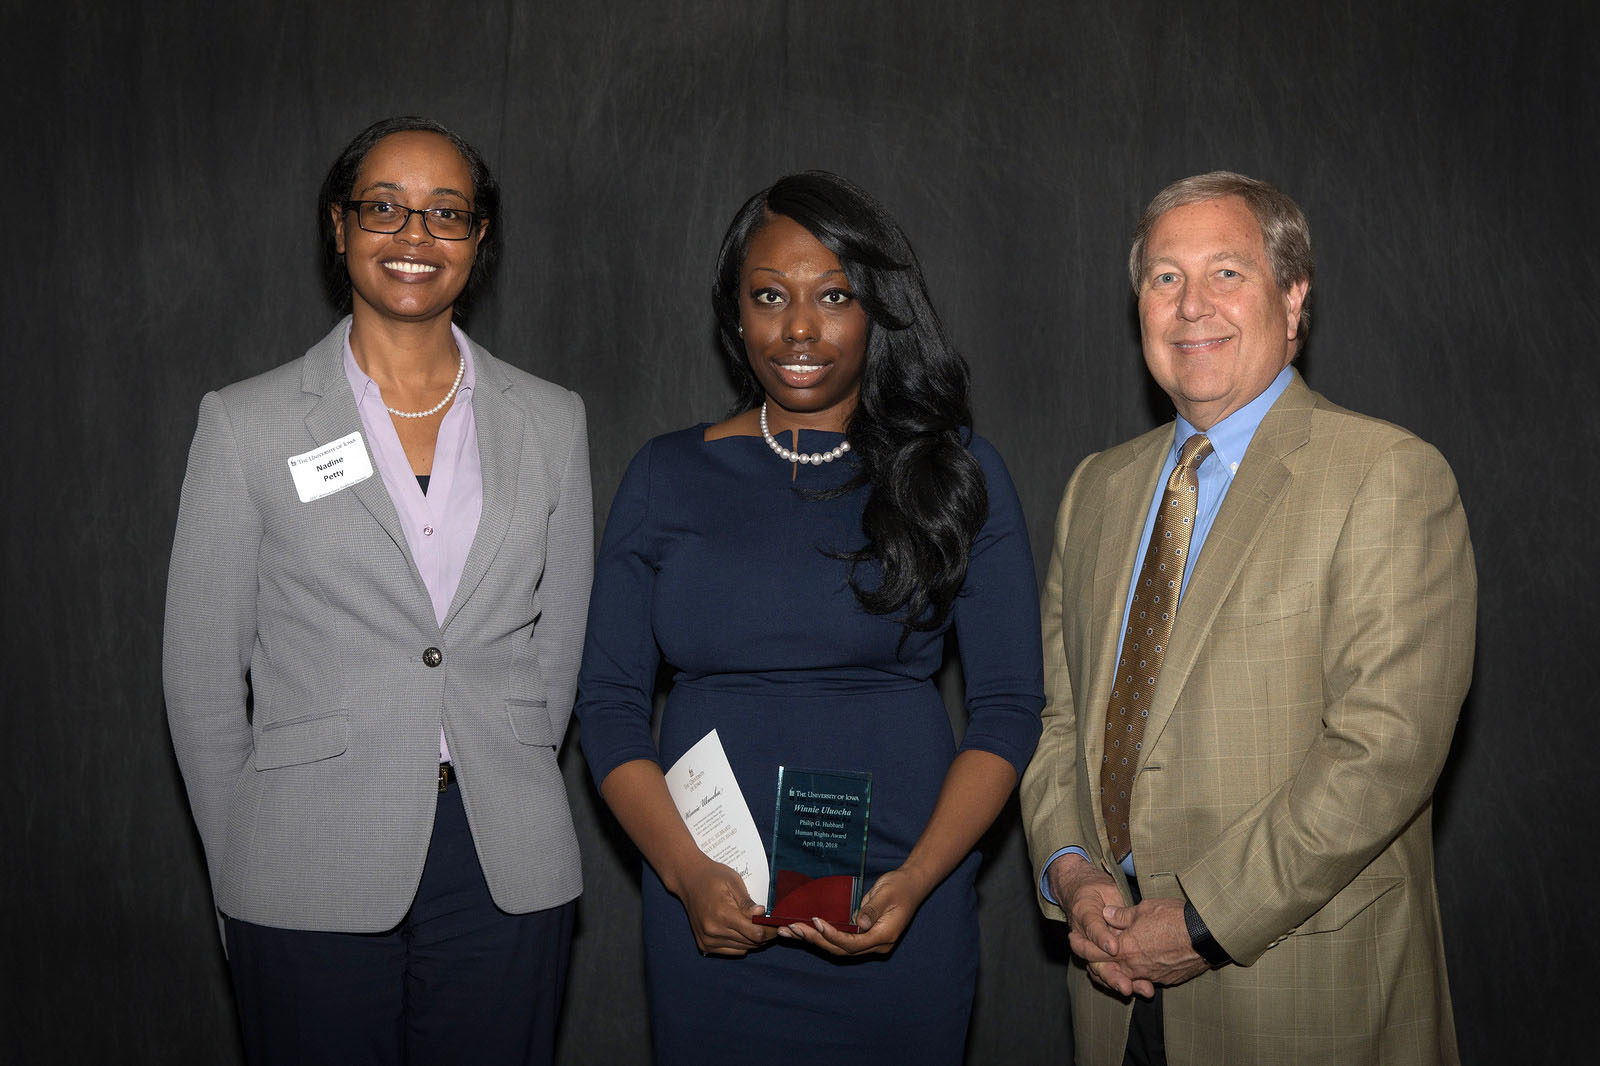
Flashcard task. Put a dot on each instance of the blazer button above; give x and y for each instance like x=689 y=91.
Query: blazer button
x=432 y=657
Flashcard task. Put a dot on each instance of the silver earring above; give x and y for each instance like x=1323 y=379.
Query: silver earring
x=741 y=331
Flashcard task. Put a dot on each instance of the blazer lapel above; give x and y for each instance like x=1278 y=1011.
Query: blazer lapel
x=499 y=420
x=1257 y=488
x=334 y=415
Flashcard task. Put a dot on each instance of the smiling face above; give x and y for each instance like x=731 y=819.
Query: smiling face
x=1216 y=327
x=804 y=332
x=408 y=276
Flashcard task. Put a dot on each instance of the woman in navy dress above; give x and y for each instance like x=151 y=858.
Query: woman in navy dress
x=798 y=568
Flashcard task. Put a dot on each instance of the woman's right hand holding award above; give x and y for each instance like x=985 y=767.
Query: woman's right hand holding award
x=719 y=908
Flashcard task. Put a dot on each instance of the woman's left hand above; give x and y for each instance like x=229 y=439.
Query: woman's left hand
x=974 y=790
x=882 y=918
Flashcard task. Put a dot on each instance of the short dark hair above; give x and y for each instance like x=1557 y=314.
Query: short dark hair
x=336 y=188
x=1284 y=229
x=912 y=421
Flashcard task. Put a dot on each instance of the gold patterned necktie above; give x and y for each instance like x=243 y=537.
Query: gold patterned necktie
x=1144 y=645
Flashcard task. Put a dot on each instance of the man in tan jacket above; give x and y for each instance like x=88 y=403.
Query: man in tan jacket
x=1231 y=803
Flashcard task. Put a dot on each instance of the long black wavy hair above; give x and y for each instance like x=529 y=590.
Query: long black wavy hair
x=927 y=498
x=341 y=178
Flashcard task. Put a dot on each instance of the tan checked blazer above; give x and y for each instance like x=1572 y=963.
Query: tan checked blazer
x=1310 y=689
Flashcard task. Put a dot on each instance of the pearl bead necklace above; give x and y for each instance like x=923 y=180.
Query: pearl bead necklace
x=815 y=458
x=436 y=408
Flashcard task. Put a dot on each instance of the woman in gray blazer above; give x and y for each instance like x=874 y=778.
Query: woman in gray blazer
x=375 y=611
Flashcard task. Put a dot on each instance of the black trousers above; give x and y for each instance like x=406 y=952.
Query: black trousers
x=1146 y=1041
x=458 y=980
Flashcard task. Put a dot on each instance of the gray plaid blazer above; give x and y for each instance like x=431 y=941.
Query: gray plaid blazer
x=303 y=713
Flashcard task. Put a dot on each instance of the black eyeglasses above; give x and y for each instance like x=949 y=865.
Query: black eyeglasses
x=444 y=223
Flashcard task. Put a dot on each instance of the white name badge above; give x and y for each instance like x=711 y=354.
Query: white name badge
x=326 y=469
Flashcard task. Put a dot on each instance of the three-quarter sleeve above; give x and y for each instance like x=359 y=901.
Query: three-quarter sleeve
x=996 y=618
x=617 y=679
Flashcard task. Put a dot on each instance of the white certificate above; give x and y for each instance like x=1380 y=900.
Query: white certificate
x=709 y=800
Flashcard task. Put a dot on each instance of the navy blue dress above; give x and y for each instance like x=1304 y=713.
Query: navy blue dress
x=714 y=561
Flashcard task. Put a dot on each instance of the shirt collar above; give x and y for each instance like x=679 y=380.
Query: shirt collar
x=1231 y=436
x=360 y=382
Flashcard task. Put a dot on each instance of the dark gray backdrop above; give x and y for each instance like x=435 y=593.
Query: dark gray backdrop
x=162 y=166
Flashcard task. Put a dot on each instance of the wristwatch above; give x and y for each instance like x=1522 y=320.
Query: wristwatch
x=1205 y=945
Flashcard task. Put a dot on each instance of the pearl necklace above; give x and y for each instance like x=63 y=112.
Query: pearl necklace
x=436 y=408
x=815 y=458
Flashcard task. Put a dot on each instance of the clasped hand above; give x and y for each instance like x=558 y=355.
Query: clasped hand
x=1127 y=950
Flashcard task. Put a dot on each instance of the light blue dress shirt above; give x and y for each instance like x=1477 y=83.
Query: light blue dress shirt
x=1229 y=440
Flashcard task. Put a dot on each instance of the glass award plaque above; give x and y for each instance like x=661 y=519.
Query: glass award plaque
x=819 y=847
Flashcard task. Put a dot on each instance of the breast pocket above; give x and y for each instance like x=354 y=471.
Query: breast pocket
x=1264 y=608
